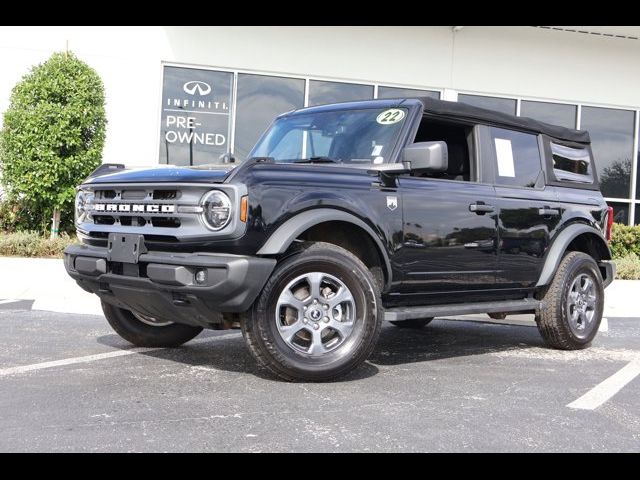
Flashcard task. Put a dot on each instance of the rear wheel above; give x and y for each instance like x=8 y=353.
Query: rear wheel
x=317 y=318
x=144 y=331
x=573 y=304
x=415 y=323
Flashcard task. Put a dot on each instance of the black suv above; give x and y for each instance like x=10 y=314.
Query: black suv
x=346 y=215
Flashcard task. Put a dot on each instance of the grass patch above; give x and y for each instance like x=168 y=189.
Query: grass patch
x=628 y=267
x=33 y=244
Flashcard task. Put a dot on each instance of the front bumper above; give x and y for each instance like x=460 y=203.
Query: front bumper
x=163 y=285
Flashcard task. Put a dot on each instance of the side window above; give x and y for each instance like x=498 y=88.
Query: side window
x=571 y=164
x=456 y=136
x=517 y=158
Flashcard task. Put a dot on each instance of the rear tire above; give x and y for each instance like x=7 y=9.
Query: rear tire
x=318 y=316
x=573 y=304
x=414 y=323
x=143 y=333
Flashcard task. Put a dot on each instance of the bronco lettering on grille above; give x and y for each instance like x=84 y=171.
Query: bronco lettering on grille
x=135 y=208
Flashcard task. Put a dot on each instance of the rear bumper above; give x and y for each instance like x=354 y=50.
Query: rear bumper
x=163 y=285
x=608 y=270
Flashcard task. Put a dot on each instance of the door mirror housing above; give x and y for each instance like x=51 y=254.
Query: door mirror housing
x=426 y=157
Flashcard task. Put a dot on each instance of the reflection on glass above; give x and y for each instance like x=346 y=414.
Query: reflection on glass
x=637 y=215
x=638 y=174
x=321 y=92
x=196 y=113
x=553 y=113
x=611 y=134
x=394 y=92
x=620 y=212
x=260 y=100
x=504 y=105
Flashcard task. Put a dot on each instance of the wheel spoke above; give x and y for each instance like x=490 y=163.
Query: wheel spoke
x=315 y=279
x=586 y=285
x=584 y=319
x=591 y=302
x=343 y=295
x=288 y=298
x=343 y=328
x=316 y=347
x=289 y=331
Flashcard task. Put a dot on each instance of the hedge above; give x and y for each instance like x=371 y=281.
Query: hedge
x=625 y=240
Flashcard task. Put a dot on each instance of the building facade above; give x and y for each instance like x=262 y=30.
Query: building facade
x=187 y=95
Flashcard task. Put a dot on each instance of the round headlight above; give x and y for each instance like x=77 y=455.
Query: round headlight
x=216 y=210
x=84 y=199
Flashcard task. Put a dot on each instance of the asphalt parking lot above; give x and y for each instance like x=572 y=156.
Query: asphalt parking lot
x=68 y=383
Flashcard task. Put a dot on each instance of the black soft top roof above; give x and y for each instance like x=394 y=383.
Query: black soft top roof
x=465 y=111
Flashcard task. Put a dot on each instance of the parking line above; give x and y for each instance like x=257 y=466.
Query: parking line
x=98 y=356
x=607 y=388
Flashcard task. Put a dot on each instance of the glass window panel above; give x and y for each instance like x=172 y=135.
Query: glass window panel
x=637 y=215
x=611 y=134
x=517 y=158
x=395 y=92
x=196 y=113
x=554 y=113
x=620 y=212
x=504 y=105
x=321 y=92
x=571 y=164
x=260 y=99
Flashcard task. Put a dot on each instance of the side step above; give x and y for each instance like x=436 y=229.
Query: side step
x=406 y=313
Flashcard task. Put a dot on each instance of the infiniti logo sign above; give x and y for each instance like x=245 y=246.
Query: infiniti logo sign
x=196 y=87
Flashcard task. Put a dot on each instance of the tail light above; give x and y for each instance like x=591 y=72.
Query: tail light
x=609 y=223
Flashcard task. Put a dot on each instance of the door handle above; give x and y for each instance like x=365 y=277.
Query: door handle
x=548 y=212
x=480 y=208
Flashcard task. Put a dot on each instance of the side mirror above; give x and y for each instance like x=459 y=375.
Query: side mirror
x=426 y=156
x=226 y=158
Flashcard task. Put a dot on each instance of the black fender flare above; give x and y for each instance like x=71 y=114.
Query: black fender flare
x=286 y=233
x=559 y=246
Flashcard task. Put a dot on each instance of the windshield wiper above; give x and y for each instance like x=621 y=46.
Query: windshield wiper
x=317 y=160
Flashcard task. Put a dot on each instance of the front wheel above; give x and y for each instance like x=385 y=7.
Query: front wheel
x=317 y=318
x=573 y=304
x=145 y=331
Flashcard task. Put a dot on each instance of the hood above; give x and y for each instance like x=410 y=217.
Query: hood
x=204 y=174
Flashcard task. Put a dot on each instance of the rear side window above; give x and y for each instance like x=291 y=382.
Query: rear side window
x=571 y=164
x=517 y=158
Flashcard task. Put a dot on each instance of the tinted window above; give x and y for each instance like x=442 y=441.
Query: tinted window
x=196 y=113
x=620 y=212
x=554 y=113
x=393 y=92
x=571 y=164
x=333 y=92
x=504 y=105
x=611 y=134
x=517 y=158
x=638 y=175
x=260 y=100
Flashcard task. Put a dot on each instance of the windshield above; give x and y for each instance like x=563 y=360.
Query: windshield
x=354 y=137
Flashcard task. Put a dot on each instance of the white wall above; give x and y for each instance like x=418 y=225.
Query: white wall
x=516 y=61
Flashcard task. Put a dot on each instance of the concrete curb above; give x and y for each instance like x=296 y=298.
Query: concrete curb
x=45 y=281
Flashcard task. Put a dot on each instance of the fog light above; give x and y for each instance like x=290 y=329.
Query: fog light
x=201 y=276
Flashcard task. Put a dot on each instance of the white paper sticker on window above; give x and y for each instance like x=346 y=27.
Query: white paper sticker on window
x=504 y=156
x=377 y=150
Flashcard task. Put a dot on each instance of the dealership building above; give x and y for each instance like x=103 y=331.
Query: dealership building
x=188 y=95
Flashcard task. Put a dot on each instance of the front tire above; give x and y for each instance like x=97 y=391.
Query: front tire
x=147 y=332
x=318 y=316
x=573 y=304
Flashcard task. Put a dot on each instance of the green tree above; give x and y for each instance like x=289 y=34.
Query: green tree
x=52 y=136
